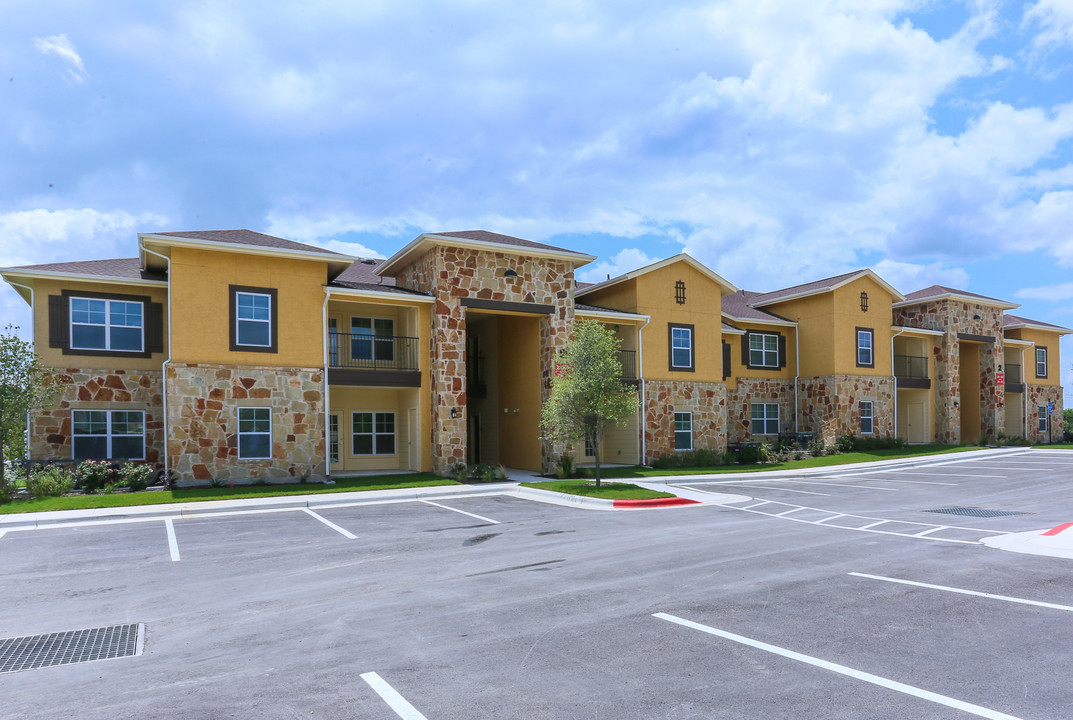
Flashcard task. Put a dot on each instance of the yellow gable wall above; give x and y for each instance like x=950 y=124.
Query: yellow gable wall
x=53 y=357
x=738 y=369
x=201 y=303
x=653 y=294
x=1042 y=338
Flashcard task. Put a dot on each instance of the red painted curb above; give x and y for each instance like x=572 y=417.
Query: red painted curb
x=655 y=502
x=1060 y=528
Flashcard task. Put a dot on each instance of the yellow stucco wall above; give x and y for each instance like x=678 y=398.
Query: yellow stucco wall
x=53 y=357
x=737 y=369
x=519 y=389
x=199 y=282
x=410 y=427
x=1045 y=339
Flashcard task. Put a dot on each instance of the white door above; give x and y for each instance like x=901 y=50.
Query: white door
x=413 y=444
x=916 y=430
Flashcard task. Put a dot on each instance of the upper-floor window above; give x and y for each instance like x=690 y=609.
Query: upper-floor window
x=681 y=347
x=253 y=319
x=102 y=324
x=865 y=355
x=763 y=350
x=1041 y=362
x=372 y=339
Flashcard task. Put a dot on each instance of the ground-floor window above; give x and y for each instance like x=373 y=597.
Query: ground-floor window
x=590 y=451
x=867 y=423
x=108 y=434
x=683 y=431
x=373 y=433
x=333 y=438
x=765 y=418
x=1043 y=418
x=254 y=433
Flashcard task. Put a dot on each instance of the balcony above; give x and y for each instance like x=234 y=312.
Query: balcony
x=1014 y=379
x=362 y=359
x=911 y=371
x=628 y=358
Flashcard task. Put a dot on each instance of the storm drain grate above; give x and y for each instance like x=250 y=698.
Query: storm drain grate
x=74 y=646
x=977 y=512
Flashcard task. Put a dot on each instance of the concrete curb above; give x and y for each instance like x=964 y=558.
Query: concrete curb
x=1055 y=542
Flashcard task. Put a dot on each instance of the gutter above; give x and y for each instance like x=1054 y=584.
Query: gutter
x=797 y=373
x=327 y=397
x=33 y=336
x=895 y=377
x=164 y=365
x=641 y=385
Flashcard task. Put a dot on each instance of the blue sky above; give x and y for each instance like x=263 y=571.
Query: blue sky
x=778 y=142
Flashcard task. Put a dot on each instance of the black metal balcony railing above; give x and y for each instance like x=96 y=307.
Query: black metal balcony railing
x=911 y=366
x=628 y=358
x=369 y=352
x=1013 y=374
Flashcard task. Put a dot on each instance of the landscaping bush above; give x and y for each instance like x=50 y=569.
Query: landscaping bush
x=136 y=476
x=92 y=475
x=564 y=467
x=484 y=473
x=501 y=473
x=816 y=447
x=458 y=472
x=50 y=481
x=749 y=454
x=845 y=443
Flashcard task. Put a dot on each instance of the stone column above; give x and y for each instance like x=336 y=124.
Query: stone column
x=448 y=384
x=947 y=389
x=992 y=395
x=554 y=332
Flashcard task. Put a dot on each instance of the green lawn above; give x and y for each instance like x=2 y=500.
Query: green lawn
x=611 y=491
x=345 y=484
x=1056 y=446
x=811 y=462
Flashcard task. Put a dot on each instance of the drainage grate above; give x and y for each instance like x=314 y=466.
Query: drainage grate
x=977 y=512
x=74 y=646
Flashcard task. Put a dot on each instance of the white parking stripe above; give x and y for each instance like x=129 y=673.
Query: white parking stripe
x=391 y=696
x=787 y=512
x=2 y=533
x=173 y=544
x=345 y=533
x=762 y=487
x=914 y=472
x=961 y=591
x=833 y=517
x=913 y=482
x=977 y=710
x=925 y=533
x=473 y=515
x=814 y=482
x=865 y=527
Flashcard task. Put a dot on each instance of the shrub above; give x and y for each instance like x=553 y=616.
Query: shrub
x=797 y=455
x=136 y=477
x=484 y=473
x=817 y=447
x=50 y=481
x=458 y=472
x=92 y=475
x=749 y=454
x=705 y=457
x=845 y=443
x=501 y=473
x=564 y=467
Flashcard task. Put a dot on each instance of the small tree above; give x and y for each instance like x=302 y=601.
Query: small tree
x=587 y=393
x=25 y=385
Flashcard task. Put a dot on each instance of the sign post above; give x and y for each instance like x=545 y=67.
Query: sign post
x=1050 y=422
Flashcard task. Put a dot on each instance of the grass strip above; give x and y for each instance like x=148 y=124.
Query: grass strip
x=608 y=490
x=160 y=497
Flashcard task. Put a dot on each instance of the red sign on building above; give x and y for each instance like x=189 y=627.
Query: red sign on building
x=1000 y=378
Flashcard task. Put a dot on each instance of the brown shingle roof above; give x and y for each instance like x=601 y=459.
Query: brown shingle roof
x=246 y=237
x=1015 y=320
x=362 y=276
x=940 y=290
x=597 y=308
x=491 y=237
x=814 y=286
x=739 y=305
x=124 y=268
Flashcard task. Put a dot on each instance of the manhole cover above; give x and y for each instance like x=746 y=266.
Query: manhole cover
x=74 y=646
x=977 y=512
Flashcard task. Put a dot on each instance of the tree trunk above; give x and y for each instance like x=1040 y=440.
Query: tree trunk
x=596 y=454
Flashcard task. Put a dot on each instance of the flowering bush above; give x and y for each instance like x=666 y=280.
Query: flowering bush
x=92 y=475
x=49 y=481
x=136 y=476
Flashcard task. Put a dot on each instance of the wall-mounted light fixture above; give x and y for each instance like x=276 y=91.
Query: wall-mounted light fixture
x=956 y=404
x=505 y=411
x=975 y=317
x=454 y=412
x=864 y=301
x=510 y=273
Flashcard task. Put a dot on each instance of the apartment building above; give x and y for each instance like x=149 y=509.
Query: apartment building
x=234 y=355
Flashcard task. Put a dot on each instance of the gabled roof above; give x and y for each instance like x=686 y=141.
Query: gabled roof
x=738 y=306
x=1013 y=322
x=817 y=287
x=362 y=276
x=681 y=257
x=243 y=237
x=479 y=240
x=127 y=269
x=941 y=292
x=241 y=241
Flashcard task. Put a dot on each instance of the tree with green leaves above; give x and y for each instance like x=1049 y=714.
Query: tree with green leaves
x=25 y=385
x=587 y=392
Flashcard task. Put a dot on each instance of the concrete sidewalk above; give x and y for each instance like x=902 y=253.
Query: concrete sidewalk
x=1054 y=542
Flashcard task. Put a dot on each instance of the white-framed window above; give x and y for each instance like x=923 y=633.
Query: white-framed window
x=865 y=357
x=683 y=431
x=1041 y=362
x=333 y=438
x=867 y=419
x=333 y=342
x=373 y=433
x=1043 y=418
x=254 y=433
x=681 y=347
x=590 y=451
x=765 y=418
x=253 y=319
x=108 y=434
x=102 y=324
x=763 y=350
x=372 y=339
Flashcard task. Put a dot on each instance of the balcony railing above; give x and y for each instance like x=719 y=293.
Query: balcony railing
x=370 y=352
x=1013 y=374
x=911 y=367
x=628 y=358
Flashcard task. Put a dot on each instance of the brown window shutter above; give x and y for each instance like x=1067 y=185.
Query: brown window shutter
x=782 y=350
x=745 y=350
x=154 y=327
x=59 y=326
x=726 y=359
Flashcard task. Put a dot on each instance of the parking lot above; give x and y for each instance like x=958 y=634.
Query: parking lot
x=836 y=596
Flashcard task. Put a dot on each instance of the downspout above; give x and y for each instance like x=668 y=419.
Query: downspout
x=164 y=365
x=797 y=373
x=327 y=397
x=33 y=336
x=641 y=383
x=1024 y=393
x=895 y=377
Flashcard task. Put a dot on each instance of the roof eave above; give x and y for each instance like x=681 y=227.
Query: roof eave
x=401 y=298
x=831 y=288
x=1036 y=326
x=990 y=302
x=419 y=244
x=728 y=288
x=331 y=258
x=107 y=279
x=758 y=321
x=612 y=315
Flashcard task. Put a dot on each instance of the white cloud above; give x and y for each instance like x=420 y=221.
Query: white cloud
x=623 y=262
x=1054 y=20
x=349 y=248
x=29 y=237
x=1060 y=291
x=908 y=277
x=64 y=49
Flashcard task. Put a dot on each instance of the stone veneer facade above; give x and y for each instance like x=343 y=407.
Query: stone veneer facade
x=952 y=317
x=758 y=390
x=203 y=402
x=707 y=402
x=88 y=389
x=1040 y=395
x=453 y=273
x=830 y=405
